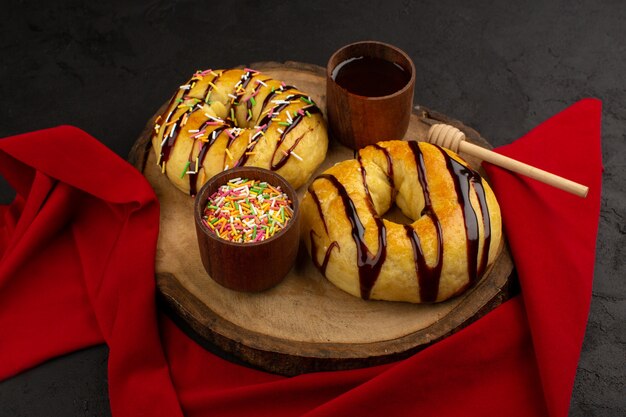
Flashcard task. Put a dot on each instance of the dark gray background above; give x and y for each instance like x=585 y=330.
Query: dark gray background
x=501 y=67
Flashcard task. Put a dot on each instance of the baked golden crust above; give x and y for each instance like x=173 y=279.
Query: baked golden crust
x=455 y=235
x=238 y=117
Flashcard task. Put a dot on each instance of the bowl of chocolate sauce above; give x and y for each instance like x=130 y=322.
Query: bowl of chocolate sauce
x=369 y=93
x=370 y=76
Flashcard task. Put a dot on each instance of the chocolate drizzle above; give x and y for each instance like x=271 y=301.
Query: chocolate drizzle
x=429 y=276
x=369 y=264
x=480 y=192
x=231 y=138
x=287 y=154
x=319 y=206
x=169 y=140
x=389 y=170
x=321 y=267
x=209 y=86
x=245 y=79
x=264 y=123
x=239 y=91
x=172 y=129
x=463 y=178
x=274 y=93
x=201 y=155
x=253 y=94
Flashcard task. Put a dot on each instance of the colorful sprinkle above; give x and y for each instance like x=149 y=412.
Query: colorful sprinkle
x=246 y=211
x=182 y=174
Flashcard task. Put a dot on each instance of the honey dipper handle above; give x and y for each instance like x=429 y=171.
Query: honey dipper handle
x=524 y=169
x=504 y=161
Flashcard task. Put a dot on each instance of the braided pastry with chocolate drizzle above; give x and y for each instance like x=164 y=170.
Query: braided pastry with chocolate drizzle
x=227 y=118
x=455 y=235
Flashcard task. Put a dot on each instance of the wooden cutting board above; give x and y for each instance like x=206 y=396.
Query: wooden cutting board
x=305 y=324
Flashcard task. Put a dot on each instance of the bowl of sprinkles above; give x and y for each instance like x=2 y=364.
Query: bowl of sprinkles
x=247 y=210
x=247 y=223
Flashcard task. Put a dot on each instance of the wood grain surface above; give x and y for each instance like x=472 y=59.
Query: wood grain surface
x=305 y=324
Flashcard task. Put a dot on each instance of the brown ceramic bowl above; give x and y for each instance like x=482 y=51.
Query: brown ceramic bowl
x=357 y=121
x=250 y=267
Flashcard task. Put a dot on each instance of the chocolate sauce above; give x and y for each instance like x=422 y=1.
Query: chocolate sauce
x=239 y=92
x=209 y=86
x=168 y=143
x=368 y=200
x=174 y=130
x=245 y=81
x=297 y=119
x=429 y=277
x=231 y=138
x=321 y=267
x=369 y=264
x=319 y=206
x=170 y=138
x=389 y=170
x=201 y=155
x=165 y=149
x=463 y=178
x=370 y=77
x=480 y=192
x=253 y=94
x=273 y=94
x=363 y=177
x=283 y=160
x=266 y=121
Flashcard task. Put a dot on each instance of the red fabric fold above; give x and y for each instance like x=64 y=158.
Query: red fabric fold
x=554 y=249
x=77 y=268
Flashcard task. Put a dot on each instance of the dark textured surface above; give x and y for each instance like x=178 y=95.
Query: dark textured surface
x=501 y=67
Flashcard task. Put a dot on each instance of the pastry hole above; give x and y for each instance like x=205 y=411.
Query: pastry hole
x=395 y=215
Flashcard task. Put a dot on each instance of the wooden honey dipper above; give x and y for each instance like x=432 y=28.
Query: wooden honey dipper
x=452 y=138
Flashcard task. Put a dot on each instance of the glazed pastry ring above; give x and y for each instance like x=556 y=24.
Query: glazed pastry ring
x=453 y=239
x=238 y=117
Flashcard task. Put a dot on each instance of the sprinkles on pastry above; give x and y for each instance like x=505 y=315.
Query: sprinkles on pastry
x=221 y=119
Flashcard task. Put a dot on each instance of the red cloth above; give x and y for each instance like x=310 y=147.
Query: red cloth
x=77 y=268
